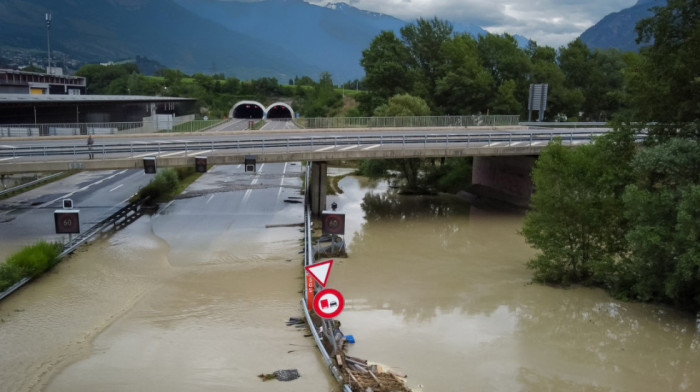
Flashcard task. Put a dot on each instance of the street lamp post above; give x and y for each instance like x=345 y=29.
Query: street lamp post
x=48 y=40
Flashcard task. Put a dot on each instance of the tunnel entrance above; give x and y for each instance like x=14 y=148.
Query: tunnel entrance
x=279 y=111
x=248 y=109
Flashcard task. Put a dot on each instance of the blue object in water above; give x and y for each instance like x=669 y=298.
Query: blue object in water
x=350 y=338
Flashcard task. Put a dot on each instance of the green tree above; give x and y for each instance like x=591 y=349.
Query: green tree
x=506 y=61
x=576 y=62
x=424 y=40
x=575 y=220
x=322 y=100
x=668 y=84
x=505 y=101
x=663 y=207
x=465 y=86
x=386 y=71
x=99 y=77
x=403 y=105
x=560 y=99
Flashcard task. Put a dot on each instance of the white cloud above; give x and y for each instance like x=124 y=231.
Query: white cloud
x=549 y=22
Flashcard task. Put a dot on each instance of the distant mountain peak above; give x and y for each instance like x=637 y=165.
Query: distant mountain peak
x=617 y=30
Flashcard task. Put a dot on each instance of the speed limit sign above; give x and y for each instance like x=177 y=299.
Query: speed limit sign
x=332 y=222
x=67 y=221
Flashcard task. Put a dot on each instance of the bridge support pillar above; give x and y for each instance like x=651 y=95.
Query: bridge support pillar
x=507 y=178
x=319 y=180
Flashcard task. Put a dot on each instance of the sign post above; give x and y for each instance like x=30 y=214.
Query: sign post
x=309 y=291
x=537 y=101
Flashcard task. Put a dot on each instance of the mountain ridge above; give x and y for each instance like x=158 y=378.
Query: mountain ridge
x=617 y=29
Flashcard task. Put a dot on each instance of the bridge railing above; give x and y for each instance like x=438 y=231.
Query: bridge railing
x=101 y=128
x=297 y=143
x=410 y=122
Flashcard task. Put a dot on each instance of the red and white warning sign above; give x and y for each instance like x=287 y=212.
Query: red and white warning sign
x=320 y=271
x=328 y=303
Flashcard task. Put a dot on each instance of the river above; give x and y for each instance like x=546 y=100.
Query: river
x=439 y=291
x=434 y=289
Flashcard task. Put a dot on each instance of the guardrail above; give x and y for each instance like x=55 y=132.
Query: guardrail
x=326 y=325
x=109 y=128
x=299 y=143
x=412 y=121
x=29 y=184
x=116 y=221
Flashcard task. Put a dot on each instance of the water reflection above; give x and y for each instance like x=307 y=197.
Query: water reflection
x=391 y=205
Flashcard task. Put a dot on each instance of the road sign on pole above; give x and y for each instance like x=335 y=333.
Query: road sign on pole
x=309 y=291
x=328 y=303
x=320 y=271
x=67 y=221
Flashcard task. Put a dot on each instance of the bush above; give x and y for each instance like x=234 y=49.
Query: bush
x=29 y=262
x=165 y=182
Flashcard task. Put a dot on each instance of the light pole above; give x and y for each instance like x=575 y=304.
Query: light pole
x=48 y=40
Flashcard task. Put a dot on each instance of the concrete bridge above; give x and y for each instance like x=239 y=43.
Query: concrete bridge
x=503 y=156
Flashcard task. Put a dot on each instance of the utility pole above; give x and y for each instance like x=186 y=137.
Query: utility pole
x=48 y=40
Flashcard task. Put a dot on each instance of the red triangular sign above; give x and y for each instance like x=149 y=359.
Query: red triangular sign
x=320 y=271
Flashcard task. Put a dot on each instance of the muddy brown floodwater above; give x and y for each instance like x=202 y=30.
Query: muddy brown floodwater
x=433 y=288
x=192 y=299
x=440 y=292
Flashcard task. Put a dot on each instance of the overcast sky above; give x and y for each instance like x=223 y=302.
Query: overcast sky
x=549 y=22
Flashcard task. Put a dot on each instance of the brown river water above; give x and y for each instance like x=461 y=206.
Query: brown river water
x=434 y=289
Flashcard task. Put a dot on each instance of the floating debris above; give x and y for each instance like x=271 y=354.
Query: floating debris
x=280 y=375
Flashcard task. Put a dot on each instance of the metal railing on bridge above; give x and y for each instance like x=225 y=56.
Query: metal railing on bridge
x=303 y=143
x=408 y=122
x=100 y=128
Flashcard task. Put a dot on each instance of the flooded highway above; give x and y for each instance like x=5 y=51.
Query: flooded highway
x=196 y=298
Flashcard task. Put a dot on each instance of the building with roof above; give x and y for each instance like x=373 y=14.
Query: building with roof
x=34 y=98
x=21 y=82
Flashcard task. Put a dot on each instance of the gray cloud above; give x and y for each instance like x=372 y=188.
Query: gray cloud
x=549 y=22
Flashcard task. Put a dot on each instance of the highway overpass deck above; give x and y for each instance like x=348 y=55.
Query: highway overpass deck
x=18 y=156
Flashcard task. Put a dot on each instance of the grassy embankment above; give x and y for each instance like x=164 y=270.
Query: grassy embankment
x=29 y=262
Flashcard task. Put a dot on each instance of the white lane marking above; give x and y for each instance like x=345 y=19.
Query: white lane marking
x=348 y=148
x=152 y=154
x=516 y=144
x=116 y=187
x=7 y=146
x=261 y=166
x=172 y=153
x=7 y=159
x=370 y=147
x=209 y=199
x=247 y=194
x=496 y=144
x=279 y=192
x=81 y=189
x=197 y=152
x=245 y=197
x=324 y=148
x=539 y=143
